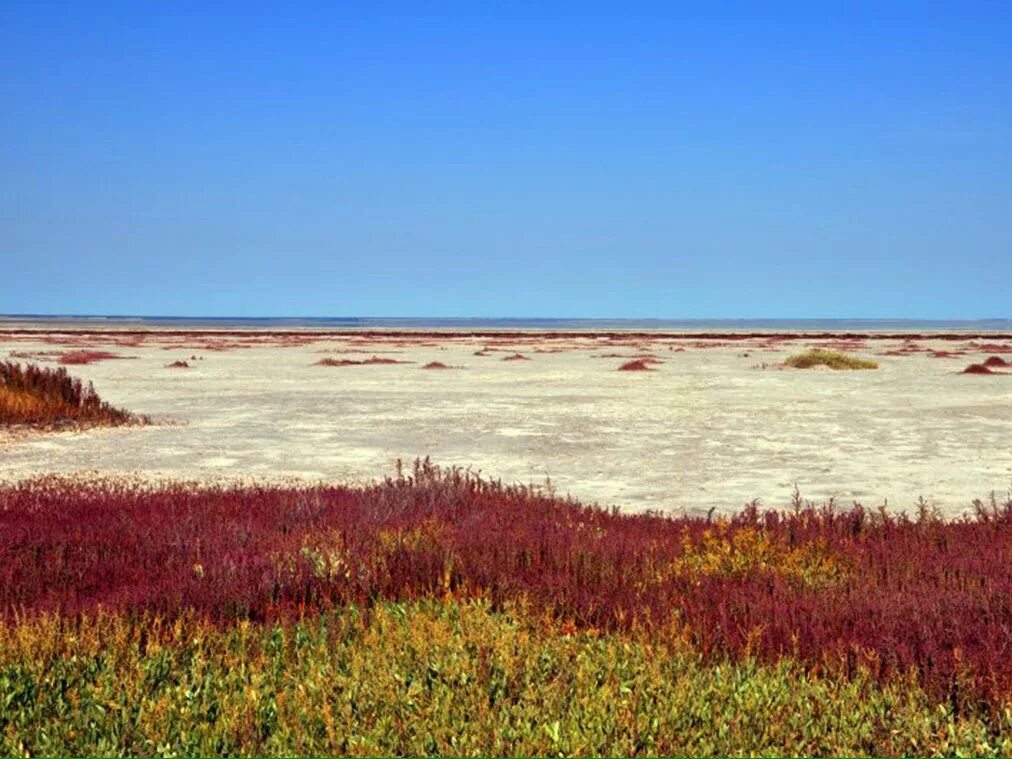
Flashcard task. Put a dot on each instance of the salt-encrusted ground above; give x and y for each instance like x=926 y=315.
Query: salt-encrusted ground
x=709 y=427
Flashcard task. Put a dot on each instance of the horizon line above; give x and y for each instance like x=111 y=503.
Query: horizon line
x=42 y=316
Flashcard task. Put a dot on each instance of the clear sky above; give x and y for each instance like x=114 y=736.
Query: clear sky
x=765 y=159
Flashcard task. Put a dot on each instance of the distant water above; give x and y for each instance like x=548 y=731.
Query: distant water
x=357 y=322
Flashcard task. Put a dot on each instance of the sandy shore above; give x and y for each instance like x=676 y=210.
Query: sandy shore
x=715 y=424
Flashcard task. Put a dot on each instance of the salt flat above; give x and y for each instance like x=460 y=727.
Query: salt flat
x=709 y=427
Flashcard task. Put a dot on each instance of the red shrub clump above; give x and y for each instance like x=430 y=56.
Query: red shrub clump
x=438 y=365
x=178 y=365
x=977 y=369
x=516 y=357
x=75 y=358
x=996 y=361
x=639 y=365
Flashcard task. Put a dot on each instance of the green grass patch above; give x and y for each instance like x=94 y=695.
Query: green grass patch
x=439 y=678
x=832 y=359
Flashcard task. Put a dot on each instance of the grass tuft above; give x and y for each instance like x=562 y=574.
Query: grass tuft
x=829 y=358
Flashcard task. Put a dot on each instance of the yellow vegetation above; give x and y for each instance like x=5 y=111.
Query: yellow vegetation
x=832 y=359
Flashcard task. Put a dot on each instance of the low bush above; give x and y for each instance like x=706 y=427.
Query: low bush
x=637 y=365
x=830 y=358
x=81 y=357
x=45 y=397
x=977 y=369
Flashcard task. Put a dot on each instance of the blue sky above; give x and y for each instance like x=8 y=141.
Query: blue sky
x=808 y=159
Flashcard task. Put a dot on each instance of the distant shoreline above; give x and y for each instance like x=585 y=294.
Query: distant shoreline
x=692 y=328
x=461 y=334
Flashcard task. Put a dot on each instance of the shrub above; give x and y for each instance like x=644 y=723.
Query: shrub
x=44 y=397
x=832 y=359
x=638 y=365
x=977 y=369
x=76 y=358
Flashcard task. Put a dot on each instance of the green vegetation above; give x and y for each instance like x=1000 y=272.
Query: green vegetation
x=832 y=359
x=437 y=678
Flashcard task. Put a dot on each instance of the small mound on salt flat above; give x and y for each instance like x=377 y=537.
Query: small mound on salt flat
x=639 y=365
x=977 y=369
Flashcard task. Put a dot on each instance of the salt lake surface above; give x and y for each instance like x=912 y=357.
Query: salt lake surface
x=714 y=425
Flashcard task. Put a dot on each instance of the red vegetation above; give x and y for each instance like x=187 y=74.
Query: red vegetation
x=76 y=358
x=996 y=361
x=516 y=357
x=909 y=348
x=83 y=340
x=296 y=337
x=906 y=349
x=438 y=365
x=834 y=589
x=989 y=347
x=43 y=397
x=639 y=365
x=977 y=369
x=177 y=365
